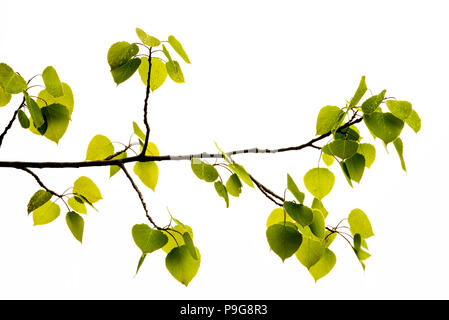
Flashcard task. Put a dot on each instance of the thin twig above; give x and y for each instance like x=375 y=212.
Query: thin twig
x=2 y=136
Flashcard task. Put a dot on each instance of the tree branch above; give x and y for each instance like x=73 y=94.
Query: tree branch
x=145 y=108
x=2 y=136
x=36 y=177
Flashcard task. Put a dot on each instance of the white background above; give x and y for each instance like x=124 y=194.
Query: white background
x=260 y=73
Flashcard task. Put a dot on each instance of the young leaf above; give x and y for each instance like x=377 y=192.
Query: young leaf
x=317 y=226
x=327 y=159
x=284 y=240
x=174 y=71
x=138 y=132
x=176 y=45
x=278 y=216
x=114 y=169
x=328 y=118
x=46 y=213
x=52 y=83
x=23 y=119
x=99 y=148
x=222 y=192
x=38 y=199
x=57 y=119
x=372 y=103
x=189 y=244
x=400 y=109
x=180 y=229
x=10 y=81
x=241 y=172
x=299 y=212
x=310 y=252
x=67 y=100
x=343 y=148
x=141 y=260
x=355 y=166
x=414 y=121
x=158 y=72
x=293 y=188
x=125 y=71
x=324 y=265
x=148 y=173
x=359 y=93
x=400 y=149
x=349 y=133
x=345 y=170
x=181 y=265
x=77 y=205
x=203 y=171
x=87 y=188
x=359 y=223
x=368 y=151
x=166 y=53
x=5 y=97
x=319 y=182
x=120 y=53
x=384 y=125
x=76 y=225
x=317 y=204
x=147 y=239
x=147 y=39
x=234 y=185
x=35 y=111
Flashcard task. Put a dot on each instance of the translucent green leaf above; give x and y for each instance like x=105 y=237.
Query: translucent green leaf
x=355 y=166
x=293 y=188
x=166 y=53
x=87 y=188
x=38 y=199
x=310 y=252
x=327 y=159
x=5 y=97
x=359 y=223
x=359 y=93
x=222 y=192
x=204 y=171
x=348 y=133
x=328 y=118
x=299 y=212
x=181 y=265
x=148 y=239
x=10 y=81
x=174 y=71
x=343 y=149
x=114 y=169
x=176 y=45
x=317 y=204
x=329 y=237
x=46 y=213
x=278 y=216
x=234 y=185
x=384 y=125
x=45 y=98
x=400 y=149
x=125 y=71
x=138 y=132
x=158 y=72
x=99 y=148
x=345 y=170
x=181 y=229
x=357 y=241
x=324 y=265
x=76 y=225
x=283 y=240
x=148 y=173
x=147 y=39
x=317 y=226
x=152 y=150
x=368 y=151
x=189 y=244
x=372 y=103
x=400 y=109
x=77 y=205
x=414 y=121
x=35 y=111
x=241 y=172
x=23 y=119
x=57 y=119
x=120 y=53
x=319 y=182
x=52 y=83
x=141 y=260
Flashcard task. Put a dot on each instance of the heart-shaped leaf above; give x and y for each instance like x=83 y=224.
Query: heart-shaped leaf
x=182 y=266
x=319 y=182
x=384 y=125
x=284 y=240
x=147 y=239
x=299 y=212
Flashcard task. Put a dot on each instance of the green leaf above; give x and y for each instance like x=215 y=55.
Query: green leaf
x=138 y=132
x=35 y=111
x=10 y=81
x=87 y=188
x=329 y=237
x=182 y=266
x=141 y=260
x=76 y=225
x=355 y=166
x=400 y=109
x=284 y=240
x=241 y=172
x=5 y=97
x=46 y=213
x=189 y=244
x=414 y=121
x=114 y=169
x=278 y=216
x=57 y=119
x=372 y=103
x=158 y=72
x=125 y=71
x=310 y=252
x=52 y=83
x=222 y=192
x=166 y=53
x=148 y=173
x=327 y=159
x=319 y=182
x=317 y=226
x=299 y=212
x=23 y=119
x=120 y=53
x=343 y=148
x=45 y=98
x=99 y=148
x=77 y=204
x=324 y=265
x=317 y=204
x=181 y=229
x=328 y=118
x=234 y=185
x=359 y=93
x=384 y=125
x=293 y=188
x=359 y=223
x=348 y=133
x=147 y=239
x=345 y=170
x=38 y=199
x=174 y=71
x=147 y=39
x=368 y=151
x=176 y=45
x=204 y=171
x=400 y=149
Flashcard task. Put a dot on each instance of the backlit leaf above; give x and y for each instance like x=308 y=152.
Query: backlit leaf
x=181 y=265
x=148 y=173
x=317 y=226
x=309 y=252
x=148 y=239
x=174 y=71
x=327 y=159
x=46 y=213
x=52 y=83
x=85 y=187
x=328 y=118
x=203 y=171
x=319 y=182
x=176 y=45
x=120 y=53
x=400 y=149
x=222 y=192
x=125 y=71
x=67 y=100
x=343 y=149
x=414 y=121
x=77 y=205
x=384 y=125
x=324 y=265
x=180 y=229
x=5 y=97
x=189 y=244
x=355 y=166
x=368 y=151
x=361 y=89
x=147 y=39
x=293 y=188
x=23 y=119
x=138 y=132
x=400 y=109
x=35 y=111
x=299 y=212
x=57 y=118
x=234 y=185
x=114 y=169
x=158 y=72
x=317 y=204
x=76 y=225
x=359 y=223
x=99 y=148
x=345 y=170
x=278 y=216
x=10 y=81
x=372 y=103
x=241 y=172
x=283 y=240
x=38 y=199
